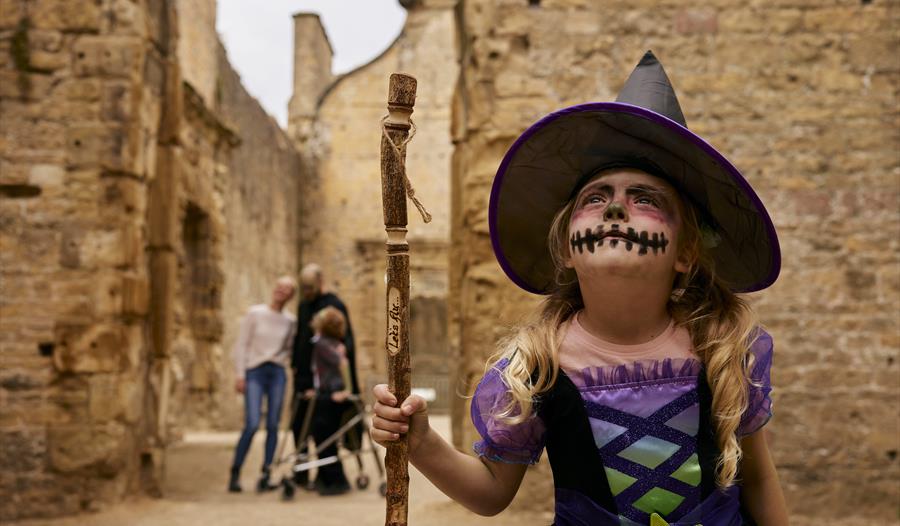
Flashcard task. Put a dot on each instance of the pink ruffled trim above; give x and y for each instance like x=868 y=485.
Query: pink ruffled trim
x=639 y=372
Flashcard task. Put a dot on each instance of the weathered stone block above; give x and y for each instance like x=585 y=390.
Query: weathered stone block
x=692 y=21
x=68 y=15
x=28 y=249
x=207 y=324
x=45 y=51
x=163 y=198
x=117 y=248
x=202 y=375
x=24 y=409
x=21 y=380
x=25 y=86
x=40 y=136
x=22 y=450
x=90 y=349
x=99 y=146
x=46 y=176
x=164 y=269
x=114 y=396
x=118 y=102
x=81 y=89
x=10 y=14
x=846 y=18
x=124 y=17
x=123 y=196
x=135 y=295
x=67 y=399
x=94 y=448
x=69 y=247
x=873 y=52
x=120 y=57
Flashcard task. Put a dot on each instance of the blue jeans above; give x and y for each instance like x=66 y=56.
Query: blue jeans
x=268 y=379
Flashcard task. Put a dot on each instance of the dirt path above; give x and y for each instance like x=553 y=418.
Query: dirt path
x=198 y=473
x=195 y=494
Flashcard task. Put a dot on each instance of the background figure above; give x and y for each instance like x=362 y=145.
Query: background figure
x=313 y=299
x=260 y=356
x=332 y=379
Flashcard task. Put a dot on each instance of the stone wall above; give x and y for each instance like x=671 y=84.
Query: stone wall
x=802 y=96
x=312 y=74
x=81 y=90
x=139 y=216
x=198 y=47
x=261 y=210
x=343 y=224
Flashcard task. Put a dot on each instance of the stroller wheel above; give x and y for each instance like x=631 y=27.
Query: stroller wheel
x=362 y=482
x=383 y=489
x=287 y=489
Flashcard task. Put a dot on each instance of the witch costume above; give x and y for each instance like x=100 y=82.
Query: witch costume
x=629 y=443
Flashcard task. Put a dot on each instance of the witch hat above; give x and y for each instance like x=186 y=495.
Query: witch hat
x=644 y=128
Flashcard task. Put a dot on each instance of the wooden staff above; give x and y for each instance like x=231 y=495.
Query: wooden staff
x=401 y=97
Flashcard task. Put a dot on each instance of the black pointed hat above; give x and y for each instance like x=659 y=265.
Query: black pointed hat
x=644 y=128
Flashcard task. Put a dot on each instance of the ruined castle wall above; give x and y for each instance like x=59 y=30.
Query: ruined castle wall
x=198 y=46
x=262 y=213
x=121 y=278
x=345 y=227
x=802 y=97
x=81 y=85
x=238 y=218
x=312 y=73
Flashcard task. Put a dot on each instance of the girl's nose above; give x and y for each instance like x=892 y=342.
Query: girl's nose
x=615 y=212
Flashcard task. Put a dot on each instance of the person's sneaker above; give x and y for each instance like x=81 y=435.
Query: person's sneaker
x=263 y=484
x=234 y=484
x=301 y=480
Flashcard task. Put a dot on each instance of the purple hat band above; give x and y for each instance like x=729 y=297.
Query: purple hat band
x=658 y=122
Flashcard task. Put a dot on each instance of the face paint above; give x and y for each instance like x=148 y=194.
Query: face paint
x=592 y=238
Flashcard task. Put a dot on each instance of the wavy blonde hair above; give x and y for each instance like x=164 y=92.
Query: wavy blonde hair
x=720 y=324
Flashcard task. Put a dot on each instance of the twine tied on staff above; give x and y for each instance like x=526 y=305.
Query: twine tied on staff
x=395 y=186
x=401 y=155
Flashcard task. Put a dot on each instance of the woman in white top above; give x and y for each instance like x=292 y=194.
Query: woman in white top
x=261 y=354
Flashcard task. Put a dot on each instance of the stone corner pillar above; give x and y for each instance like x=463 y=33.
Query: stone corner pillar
x=312 y=73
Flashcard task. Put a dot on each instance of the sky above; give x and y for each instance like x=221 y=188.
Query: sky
x=259 y=37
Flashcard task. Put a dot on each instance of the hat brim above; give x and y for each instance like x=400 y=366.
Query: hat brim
x=541 y=169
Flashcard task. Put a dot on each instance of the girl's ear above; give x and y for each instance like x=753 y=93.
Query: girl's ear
x=686 y=259
x=683 y=264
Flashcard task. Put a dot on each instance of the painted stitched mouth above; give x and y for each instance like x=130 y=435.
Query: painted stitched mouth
x=629 y=238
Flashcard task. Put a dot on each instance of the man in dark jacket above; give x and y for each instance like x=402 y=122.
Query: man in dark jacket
x=313 y=298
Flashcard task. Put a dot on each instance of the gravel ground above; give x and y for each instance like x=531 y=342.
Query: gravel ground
x=197 y=475
x=195 y=494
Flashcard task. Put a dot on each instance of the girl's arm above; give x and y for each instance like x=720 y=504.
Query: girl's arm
x=761 y=492
x=483 y=486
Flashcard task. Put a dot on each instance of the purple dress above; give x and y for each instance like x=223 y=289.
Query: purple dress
x=647 y=432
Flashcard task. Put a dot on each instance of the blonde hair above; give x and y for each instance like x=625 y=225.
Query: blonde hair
x=330 y=322
x=720 y=324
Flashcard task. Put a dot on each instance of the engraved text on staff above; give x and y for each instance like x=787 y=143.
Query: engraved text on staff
x=393 y=328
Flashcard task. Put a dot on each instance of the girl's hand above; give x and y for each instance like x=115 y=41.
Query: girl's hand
x=339 y=396
x=240 y=385
x=390 y=421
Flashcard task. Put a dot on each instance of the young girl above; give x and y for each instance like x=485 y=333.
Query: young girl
x=644 y=376
x=332 y=380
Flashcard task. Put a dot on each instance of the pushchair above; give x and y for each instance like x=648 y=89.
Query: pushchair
x=353 y=431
